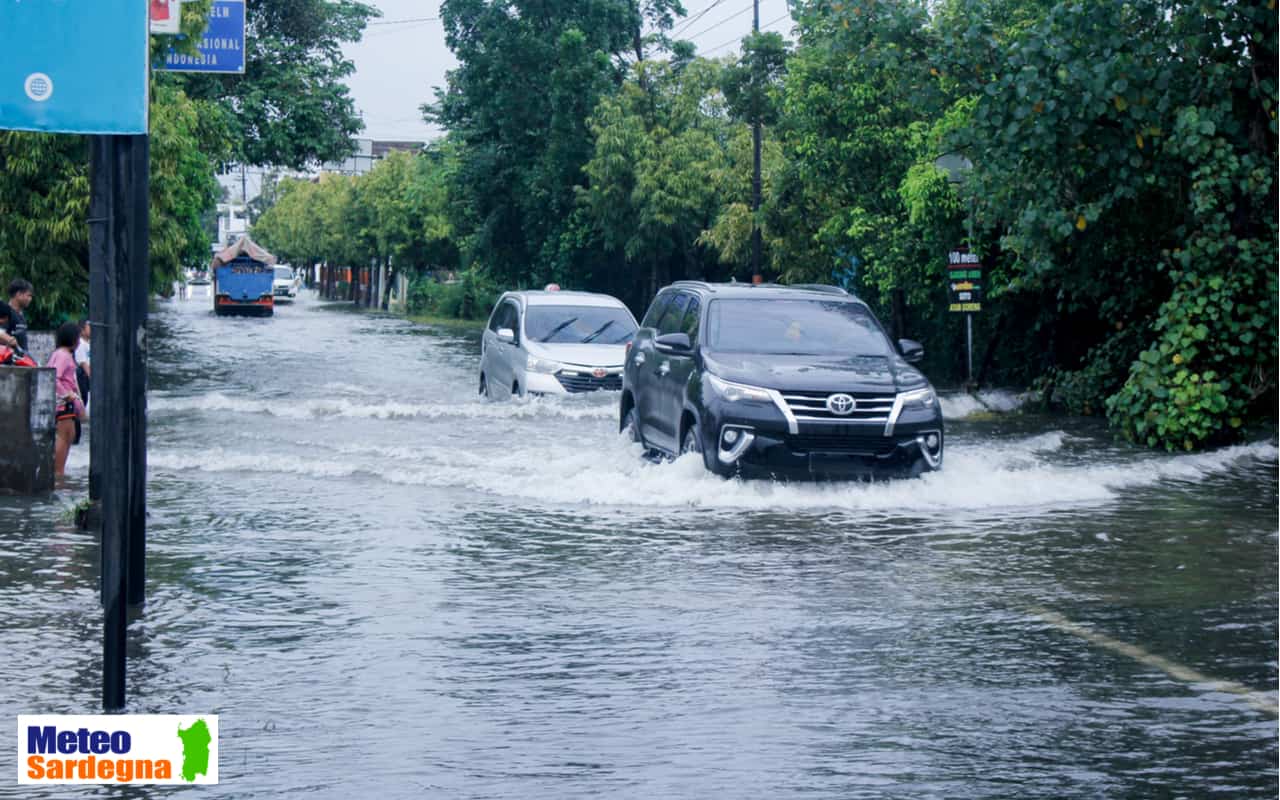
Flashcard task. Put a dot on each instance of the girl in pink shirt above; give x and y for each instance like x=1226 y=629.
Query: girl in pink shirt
x=70 y=406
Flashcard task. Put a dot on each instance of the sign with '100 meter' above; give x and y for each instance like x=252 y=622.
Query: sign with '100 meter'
x=74 y=66
x=964 y=281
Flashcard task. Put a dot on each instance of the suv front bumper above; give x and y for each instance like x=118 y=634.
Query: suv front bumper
x=757 y=440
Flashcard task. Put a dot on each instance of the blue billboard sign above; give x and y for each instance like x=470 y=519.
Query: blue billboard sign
x=222 y=46
x=74 y=66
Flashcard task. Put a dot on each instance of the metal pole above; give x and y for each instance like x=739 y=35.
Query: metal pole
x=755 y=145
x=139 y=265
x=108 y=254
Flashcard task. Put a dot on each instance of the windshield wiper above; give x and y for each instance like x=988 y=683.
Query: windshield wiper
x=558 y=328
x=597 y=331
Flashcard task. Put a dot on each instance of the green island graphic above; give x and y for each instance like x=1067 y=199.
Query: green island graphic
x=195 y=749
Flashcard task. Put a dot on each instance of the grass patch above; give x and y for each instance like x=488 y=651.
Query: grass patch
x=447 y=322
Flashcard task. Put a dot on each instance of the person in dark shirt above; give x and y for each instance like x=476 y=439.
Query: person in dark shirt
x=20 y=293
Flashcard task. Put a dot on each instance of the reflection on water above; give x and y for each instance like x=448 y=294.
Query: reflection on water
x=382 y=583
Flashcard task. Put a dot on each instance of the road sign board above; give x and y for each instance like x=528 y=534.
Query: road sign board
x=74 y=66
x=964 y=281
x=222 y=46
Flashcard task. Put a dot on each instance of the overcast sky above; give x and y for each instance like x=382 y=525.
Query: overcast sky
x=403 y=56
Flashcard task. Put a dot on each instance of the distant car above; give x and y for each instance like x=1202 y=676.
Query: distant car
x=285 y=285
x=778 y=381
x=199 y=288
x=554 y=342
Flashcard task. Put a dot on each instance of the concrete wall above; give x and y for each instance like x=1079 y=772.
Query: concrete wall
x=27 y=429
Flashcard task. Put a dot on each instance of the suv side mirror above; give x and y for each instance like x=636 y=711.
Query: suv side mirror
x=677 y=344
x=506 y=335
x=912 y=351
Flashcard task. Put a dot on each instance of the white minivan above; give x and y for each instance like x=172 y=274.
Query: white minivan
x=554 y=342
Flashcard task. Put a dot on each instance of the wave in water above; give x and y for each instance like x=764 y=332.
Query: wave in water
x=1015 y=474
x=339 y=407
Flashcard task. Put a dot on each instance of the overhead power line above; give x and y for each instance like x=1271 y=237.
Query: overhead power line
x=689 y=22
x=739 y=38
x=404 y=21
x=718 y=24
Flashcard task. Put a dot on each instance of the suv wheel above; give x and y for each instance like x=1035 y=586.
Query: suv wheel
x=692 y=442
x=631 y=426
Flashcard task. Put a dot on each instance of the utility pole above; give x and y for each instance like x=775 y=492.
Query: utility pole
x=755 y=143
x=119 y=276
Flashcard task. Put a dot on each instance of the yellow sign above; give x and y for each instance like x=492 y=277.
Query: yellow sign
x=965 y=307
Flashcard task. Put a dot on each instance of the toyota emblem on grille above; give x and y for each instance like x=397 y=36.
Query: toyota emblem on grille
x=841 y=404
x=598 y=372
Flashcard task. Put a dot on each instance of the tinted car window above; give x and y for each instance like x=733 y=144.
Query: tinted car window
x=793 y=327
x=578 y=324
x=495 y=319
x=691 y=315
x=670 y=322
x=654 y=313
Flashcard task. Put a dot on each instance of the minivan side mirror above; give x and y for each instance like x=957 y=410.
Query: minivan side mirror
x=506 y=335
x=912 y=351
x=674 y=343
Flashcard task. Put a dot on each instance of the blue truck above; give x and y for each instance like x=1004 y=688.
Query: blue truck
x=242 y=279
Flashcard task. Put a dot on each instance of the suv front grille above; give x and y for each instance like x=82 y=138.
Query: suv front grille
x=589 y=383
x=812 y=407
x=862 y=444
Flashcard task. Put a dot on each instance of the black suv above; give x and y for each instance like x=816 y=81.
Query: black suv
x=778 y=381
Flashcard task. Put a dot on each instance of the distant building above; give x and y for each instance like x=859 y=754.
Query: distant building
x=369 y=152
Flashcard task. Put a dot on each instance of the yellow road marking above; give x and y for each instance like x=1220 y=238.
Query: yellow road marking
x=1258 y=700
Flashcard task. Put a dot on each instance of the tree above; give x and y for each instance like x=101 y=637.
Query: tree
x=525 y=148
x=291 y=107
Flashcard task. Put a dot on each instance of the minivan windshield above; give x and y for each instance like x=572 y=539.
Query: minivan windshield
x=794 y=327
x=579 y=325
x=284 y=274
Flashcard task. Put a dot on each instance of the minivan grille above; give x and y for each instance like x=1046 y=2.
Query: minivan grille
x=812 y=407
x=589 y=383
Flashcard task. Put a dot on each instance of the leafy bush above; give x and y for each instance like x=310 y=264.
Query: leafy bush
x=471 y=297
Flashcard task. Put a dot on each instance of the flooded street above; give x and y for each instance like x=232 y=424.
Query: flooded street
x=387 y=586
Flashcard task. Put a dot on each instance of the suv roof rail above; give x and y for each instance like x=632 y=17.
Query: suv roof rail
x=818 y=287
x=695 y=285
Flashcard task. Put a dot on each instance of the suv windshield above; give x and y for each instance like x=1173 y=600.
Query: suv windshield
x=284 y=274
x=794 y=327
x=578 y=325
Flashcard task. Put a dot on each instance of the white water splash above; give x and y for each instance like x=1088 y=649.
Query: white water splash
x=1014 y=474
x=961 y=404
x=340 y=407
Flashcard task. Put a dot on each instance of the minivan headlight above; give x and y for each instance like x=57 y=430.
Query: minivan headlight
x=737 y=392
x=535 y=364
x=919 y=400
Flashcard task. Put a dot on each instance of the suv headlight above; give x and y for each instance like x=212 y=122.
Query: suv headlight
x=737 y=392
x=919 y=400
x=535 y=364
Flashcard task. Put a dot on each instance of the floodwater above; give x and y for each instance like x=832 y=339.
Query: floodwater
x=388 y=587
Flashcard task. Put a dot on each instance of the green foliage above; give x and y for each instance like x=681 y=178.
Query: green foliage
x=1143 y=136
x=44 y=201
x=291 y=107
x=470 y=297
x=186 y=142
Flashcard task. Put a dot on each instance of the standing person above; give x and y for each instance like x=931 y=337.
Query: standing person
x=70 y=407
x=83 y=370
x=20 y=293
